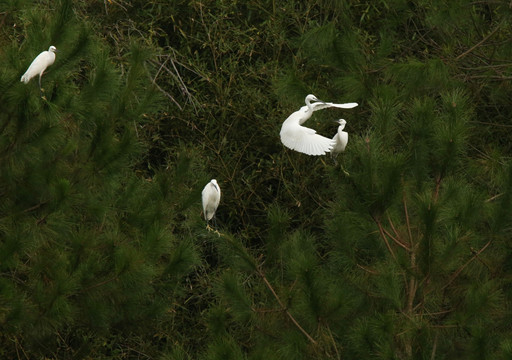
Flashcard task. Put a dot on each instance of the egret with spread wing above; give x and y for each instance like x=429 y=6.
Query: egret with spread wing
x=303 y=139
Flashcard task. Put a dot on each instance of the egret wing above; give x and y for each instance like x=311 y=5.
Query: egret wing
x=35 y=67
x=210 y=198
x=205 y=197
x=320 y=105
x=344 y=106
x=306 y=140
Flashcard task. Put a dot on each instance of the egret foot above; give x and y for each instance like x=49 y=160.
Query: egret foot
x=209 y=228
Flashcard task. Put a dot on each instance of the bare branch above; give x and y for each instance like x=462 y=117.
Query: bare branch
x=459 y=270
x=283 y=307
x=479 y=43
x=384 y=237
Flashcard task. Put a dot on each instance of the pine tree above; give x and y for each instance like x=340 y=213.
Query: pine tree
x=411 y=261
x=87 y=244
x=400 y=251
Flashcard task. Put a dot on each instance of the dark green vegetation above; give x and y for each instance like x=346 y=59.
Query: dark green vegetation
x=103 y=251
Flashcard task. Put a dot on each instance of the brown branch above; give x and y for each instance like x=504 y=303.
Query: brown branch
x=373 y=272
x=99 y=284
x=494 y=197
x=479 y=43
x=395 y=238
x=473 y=251
x=459 y=270
x=438 y=186
x=383 y=235
x=278 y=299
x=413 y=285
x=283 y=307
x=37 y=206
x=392 y=226
x=333 y=342
x=489 y=77
x=408 y=222
x=265 y=311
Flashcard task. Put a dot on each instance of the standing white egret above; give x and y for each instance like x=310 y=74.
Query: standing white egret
x=39 y=65
x=211 y=200
x=340 y=139
x=303 y=139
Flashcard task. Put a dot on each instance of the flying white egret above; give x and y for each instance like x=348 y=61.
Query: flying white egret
x=303 y=139
x=39 y=65
x=340 y=139
x=211 y=199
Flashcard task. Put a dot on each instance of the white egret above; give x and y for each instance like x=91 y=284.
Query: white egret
x=340 y=139
x=303 y=139
x=39 y=65
x=211 y=200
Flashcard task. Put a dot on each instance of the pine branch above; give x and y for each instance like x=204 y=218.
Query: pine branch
x=17 y=344
x=259 y=271
x=396 y=237
x=459 y=270
x=333 y=342
x=384 y=237
x=99 y=284
x=283 y=307
x=413 y=285
x=406 y=212
x=392 y=225
x=438 y=187
x=35 y=207
x=479 y=43
x=434 y=347
x=373 y=272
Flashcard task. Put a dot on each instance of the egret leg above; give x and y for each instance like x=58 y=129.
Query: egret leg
x=214 y=229
x=344 y=171
x=334 y=158
x=41 y=90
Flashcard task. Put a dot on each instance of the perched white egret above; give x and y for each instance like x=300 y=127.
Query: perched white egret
x=39 y=65
x=303 y=139
x=340 y=139
x=211 y=200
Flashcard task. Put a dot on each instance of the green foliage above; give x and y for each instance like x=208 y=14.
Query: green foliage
x=400 y=251
x=83 y=237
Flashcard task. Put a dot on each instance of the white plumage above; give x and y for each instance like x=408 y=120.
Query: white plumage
x=340 y=139
x=39 y=65
x=303 y=139
x=211 y=199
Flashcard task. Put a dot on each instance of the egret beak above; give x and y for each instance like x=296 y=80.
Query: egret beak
x=318 y=100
